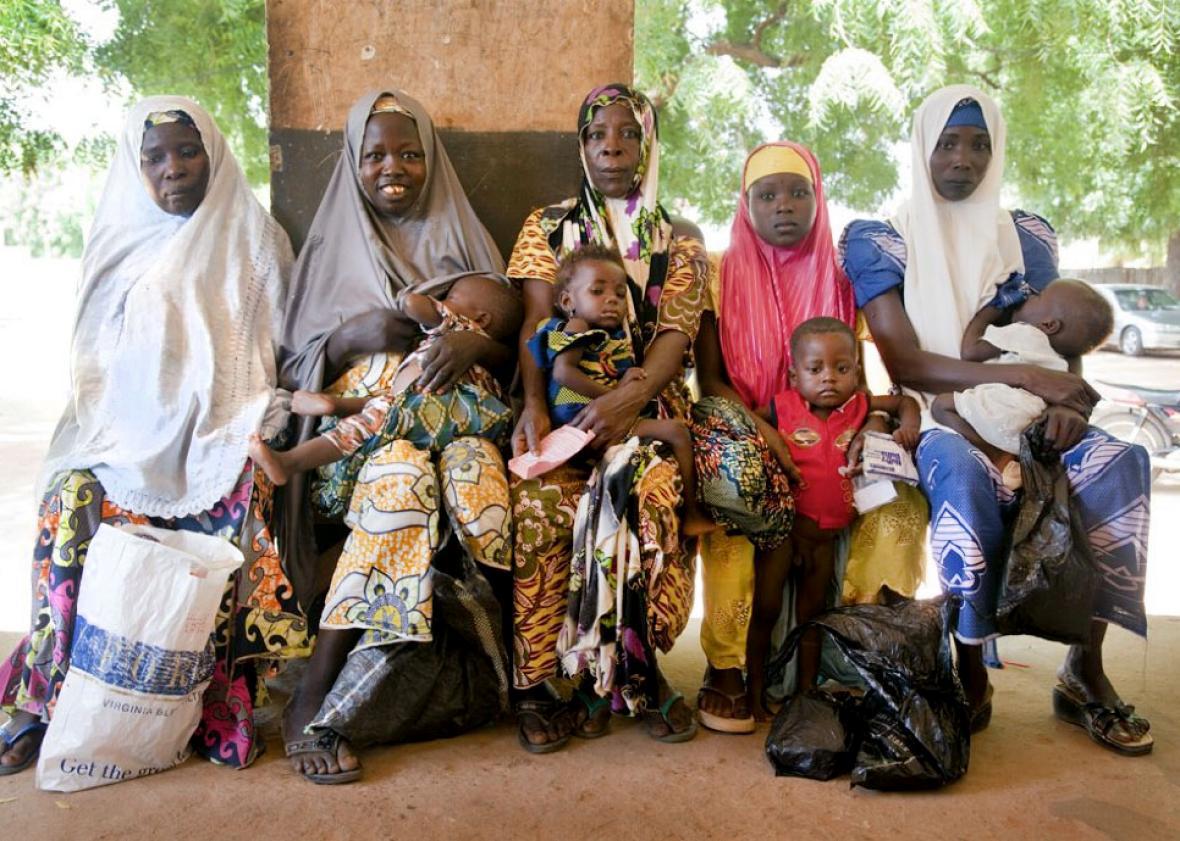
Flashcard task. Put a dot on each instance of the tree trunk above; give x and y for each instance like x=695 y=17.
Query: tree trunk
x=1173 y=264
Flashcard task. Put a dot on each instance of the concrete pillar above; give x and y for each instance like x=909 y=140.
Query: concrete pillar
x=502 y=79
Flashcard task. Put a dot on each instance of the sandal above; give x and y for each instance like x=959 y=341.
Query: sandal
x=541 y=713
x=594 y=705
x=1099 y=719
x=673 y=735
x=10 y=739
x=327 y=741
x=740 y=720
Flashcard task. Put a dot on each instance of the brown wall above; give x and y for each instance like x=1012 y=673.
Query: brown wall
x=502 y=80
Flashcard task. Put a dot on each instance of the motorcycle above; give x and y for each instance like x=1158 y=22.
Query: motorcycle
x=1146 y=416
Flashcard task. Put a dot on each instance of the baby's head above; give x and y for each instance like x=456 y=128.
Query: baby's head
x=823 y=362
x=592 y=285
x=1071 y=313
x=493 y=305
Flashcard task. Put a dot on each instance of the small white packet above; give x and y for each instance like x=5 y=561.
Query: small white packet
x=884 y=458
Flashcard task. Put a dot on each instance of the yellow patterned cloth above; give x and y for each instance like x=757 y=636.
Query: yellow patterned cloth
x=727 y=576
x=401 y=505
x=888 y=549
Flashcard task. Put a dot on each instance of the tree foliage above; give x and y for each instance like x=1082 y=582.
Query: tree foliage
x=1089 y=88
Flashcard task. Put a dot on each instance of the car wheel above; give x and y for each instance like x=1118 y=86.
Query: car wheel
x=1131 y=342
x=1131 y=426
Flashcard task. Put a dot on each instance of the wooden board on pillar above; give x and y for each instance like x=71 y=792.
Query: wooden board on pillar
x=502 y=79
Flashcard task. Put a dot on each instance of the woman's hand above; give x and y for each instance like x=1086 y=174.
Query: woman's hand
x=448 y=358
x=1058 y=388
x=534 y=424
x=611 y=416
x=1063 y=427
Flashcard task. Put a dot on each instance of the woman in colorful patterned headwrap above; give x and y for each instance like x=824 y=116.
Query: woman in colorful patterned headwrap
x=920 y=277
x=394 y=219
x=628 y=513
x=184 y=280
x=779 y=270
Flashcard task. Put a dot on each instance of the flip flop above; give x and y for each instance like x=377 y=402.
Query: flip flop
x=1098 y=719
x=673 y=736
x=731 y=724
x=542 y=712
x=594 y=705
x=327 y=741
x=10 y=739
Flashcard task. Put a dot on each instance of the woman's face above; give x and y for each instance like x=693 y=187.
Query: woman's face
x=959 y=161
x=393 y=163
x=175 y=167
x=611 y=142
x=782 y=208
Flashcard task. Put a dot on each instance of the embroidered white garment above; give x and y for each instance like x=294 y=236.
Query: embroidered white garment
x=957 y=252
x=175 y=339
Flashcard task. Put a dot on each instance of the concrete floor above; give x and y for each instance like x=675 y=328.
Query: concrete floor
x=1030 y=777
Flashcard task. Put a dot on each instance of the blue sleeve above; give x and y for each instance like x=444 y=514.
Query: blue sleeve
x=551 y=340
x=1038 y=246
x=873 y=256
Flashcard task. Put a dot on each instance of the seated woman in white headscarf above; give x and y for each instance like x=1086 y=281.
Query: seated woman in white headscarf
x=394 y=220
x=919 y=279
x=173 y=368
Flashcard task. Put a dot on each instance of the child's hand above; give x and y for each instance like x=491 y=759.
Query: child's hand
x=634 y=374
x=782 y=454
x=855 y=465
x=907 y=435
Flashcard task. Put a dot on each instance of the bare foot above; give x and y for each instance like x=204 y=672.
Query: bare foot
x=312 y=403
x=266 y=458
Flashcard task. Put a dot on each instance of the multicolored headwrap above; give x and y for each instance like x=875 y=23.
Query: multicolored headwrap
x=159 y=118
x=767 y=291
x=636 y=225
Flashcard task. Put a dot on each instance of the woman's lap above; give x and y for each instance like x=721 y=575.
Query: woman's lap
x=970 y=512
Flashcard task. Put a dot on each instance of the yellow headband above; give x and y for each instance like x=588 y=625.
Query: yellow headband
x=772 y=160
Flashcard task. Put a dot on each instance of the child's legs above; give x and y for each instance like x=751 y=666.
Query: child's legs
x=944 y=411
x=817 y=566
x=771 y=568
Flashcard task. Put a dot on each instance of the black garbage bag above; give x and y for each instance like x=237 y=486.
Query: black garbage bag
x=813 y=736
x=420 y=691
x=1050 y=580
x=912 y=725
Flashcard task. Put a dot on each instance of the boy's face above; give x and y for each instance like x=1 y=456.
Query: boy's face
x=824 y=369
x=596 y=292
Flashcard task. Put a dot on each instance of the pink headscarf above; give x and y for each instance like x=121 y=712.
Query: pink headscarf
x=767 y=291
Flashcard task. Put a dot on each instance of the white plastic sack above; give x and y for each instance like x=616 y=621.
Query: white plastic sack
x=141 y=657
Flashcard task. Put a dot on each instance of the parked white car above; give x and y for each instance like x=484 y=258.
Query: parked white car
x=1145 y=317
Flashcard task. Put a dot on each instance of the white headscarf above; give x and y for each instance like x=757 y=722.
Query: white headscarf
x=957 y=252
x=173 y=356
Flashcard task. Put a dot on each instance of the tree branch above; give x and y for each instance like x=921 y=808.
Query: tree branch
x=751 y=51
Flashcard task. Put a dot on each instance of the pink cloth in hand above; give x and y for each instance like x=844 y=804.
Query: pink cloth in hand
x=558 y=447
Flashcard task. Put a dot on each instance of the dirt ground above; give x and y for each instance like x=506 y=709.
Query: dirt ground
x=1031 y=777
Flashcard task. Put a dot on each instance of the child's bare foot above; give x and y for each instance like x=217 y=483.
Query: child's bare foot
x=761 y=712
x=312 y=403
x=266 y=458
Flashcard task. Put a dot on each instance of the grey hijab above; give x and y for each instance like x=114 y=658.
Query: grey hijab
x=354 y=261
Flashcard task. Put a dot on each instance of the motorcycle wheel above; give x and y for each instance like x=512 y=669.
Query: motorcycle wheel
x=1123 y=423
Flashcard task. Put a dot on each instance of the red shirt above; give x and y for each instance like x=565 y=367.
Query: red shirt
x=820 y=449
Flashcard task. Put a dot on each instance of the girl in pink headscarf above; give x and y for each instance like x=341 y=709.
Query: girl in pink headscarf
x=779 y=271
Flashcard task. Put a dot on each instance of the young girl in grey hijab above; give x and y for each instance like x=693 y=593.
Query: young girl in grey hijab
x=394 y=219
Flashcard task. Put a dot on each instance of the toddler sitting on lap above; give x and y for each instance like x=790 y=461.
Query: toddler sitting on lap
x=587 y=353
x=475 y=406
x=1053 y=330
x=820 y=419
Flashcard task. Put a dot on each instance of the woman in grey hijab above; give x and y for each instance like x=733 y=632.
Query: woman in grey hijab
x=394 y=218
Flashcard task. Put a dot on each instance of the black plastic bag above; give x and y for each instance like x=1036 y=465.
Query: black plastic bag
x=810 y=737
x=1050 y=580
x=421 y=691
x=913 y=723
